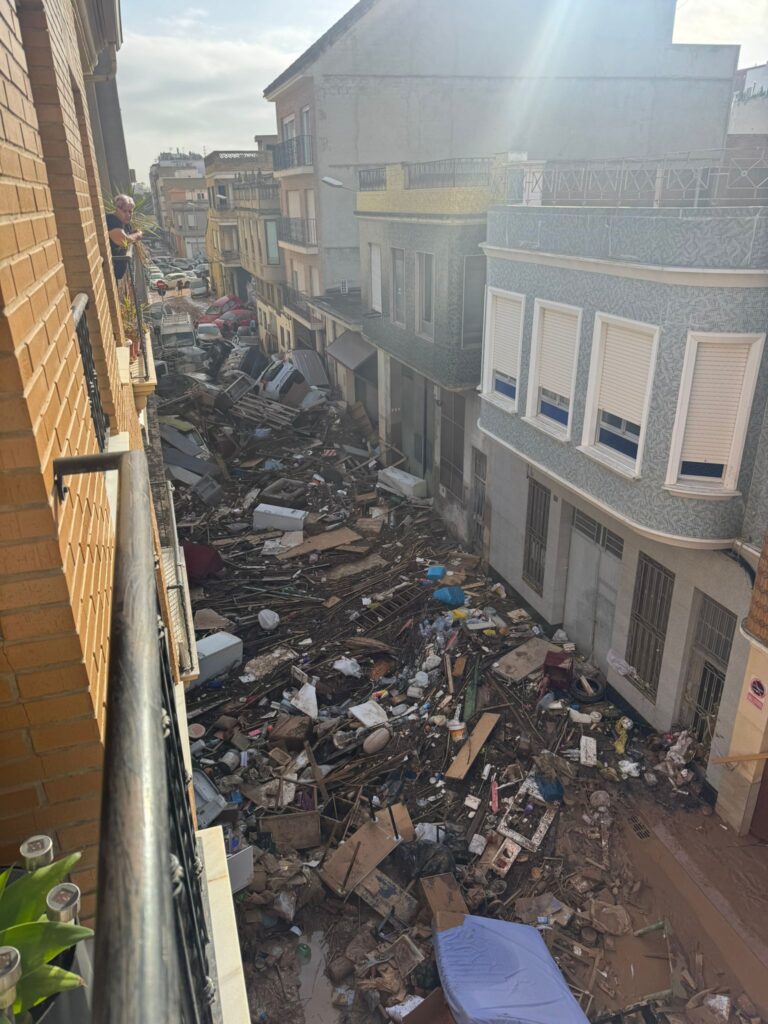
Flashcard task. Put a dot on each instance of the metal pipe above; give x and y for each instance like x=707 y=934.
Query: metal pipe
x=135 y=968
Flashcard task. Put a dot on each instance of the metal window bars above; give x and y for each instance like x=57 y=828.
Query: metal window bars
x=297 y=231
x=463 y=172
x=99 y=417
x=295 y=152
x=372 y=179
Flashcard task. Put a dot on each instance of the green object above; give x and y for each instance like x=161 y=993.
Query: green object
x=303 y=952
x=470 y=694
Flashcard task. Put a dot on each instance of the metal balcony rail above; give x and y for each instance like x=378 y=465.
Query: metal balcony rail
x=737 y=177
x=229 y=254
x=150 y=959
x=99 y=417
x=299 y=303
x=463 y=172
x=295 y=152
x=372 y=179
x=297 y=230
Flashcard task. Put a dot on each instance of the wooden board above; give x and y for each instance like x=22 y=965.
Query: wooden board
x=299 y=829
x=433 y=1010
x=525 y=659
x=322 y=542
x=374 y=844
x=442 y=892
x=369 y=564
x=466 y=756
x=403 y=823
x=380 y=892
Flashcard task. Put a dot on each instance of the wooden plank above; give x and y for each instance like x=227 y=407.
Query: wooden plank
x=433 y=1010
x=466 y=756
x=322 y=542
x=442 y=892
x=299 y=829
x=380 y=892
x=736 y=758
x=374 y=846
x=369 y=564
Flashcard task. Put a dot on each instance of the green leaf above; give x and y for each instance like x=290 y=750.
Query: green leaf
x=38 y=942
x=24 y=899
x=3 y=882
x=42 y=983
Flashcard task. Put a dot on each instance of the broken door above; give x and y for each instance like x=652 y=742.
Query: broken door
x=594 y=570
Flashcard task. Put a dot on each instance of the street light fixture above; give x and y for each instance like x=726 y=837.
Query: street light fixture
x=335 y=183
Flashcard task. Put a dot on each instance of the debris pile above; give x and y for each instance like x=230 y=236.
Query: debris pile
x=394 y=747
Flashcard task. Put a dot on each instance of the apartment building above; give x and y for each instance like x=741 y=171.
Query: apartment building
x=624 y=389
x=186 y=205
x=473 y=81
x=749 y=113
x=92 y=658
x=171 y=165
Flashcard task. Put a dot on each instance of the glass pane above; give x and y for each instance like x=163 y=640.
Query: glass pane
x=398 y=286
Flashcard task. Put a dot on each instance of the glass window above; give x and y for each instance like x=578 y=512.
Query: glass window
x=398 y=286
x=505 y=385
x=273 y=253
x=474 y=297
x=425 y=288
x=553 y=406
x=621 y=435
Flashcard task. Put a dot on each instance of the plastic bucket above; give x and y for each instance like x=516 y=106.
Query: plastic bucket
x=458 y=731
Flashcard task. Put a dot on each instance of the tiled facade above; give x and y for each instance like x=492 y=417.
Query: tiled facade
x=56 y=558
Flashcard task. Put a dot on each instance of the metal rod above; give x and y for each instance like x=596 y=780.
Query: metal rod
x=135 y=967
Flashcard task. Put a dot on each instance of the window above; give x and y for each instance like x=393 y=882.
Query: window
x=501 y=355
x=289 y=127
x=452 y=443
x=536 y=527
x=375 y=251
x=314 y=281
x=190 y=220
x=554 y=352
x=474 y=296
x=716 y=391
x=708 y=664
x=398 y=286
x=425 y=294
x=305 y=122
x=598 y=534
x=620 y=375
x=648 y=623
x=273 y=252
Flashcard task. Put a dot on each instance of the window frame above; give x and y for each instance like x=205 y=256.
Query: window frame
x=728 y=484
x=449 y=470
x=424 y=328
x=489 y=341
x=273 y=257
x=534 y=416
x=589 y=445
x=464 y=343
x=376 y=292
x=393 y=289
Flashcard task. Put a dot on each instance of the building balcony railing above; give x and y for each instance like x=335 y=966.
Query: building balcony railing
x=460 y=173
x=372 y=179
x=297 y=231
x=295 y=152
x=99 y=417
x=298 y=303
x=229 y=255
x=737 y=177
x=257 y=197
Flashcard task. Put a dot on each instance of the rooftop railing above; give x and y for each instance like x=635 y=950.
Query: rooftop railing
x=372 y=179
x=464 y=172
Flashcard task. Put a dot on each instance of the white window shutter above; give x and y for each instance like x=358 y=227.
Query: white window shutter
x=376 y=278
x=506 y=318
x=557 y=347
x=624 y=374
x=716 y=394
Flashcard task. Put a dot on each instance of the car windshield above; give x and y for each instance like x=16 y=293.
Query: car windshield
x=272 y=371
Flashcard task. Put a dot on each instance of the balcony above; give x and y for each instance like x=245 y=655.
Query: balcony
x=250 y=194
x=98 y=416
x=298 y=303
x=468 y=172
x=298 y=232
x=372 y=179
x=292 y=154
x=230 y=256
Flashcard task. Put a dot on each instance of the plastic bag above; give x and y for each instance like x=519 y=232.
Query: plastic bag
x=268 y=619
x=348 y=667
x=453 y=597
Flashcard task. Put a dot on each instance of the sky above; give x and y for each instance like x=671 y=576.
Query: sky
x=191 y=76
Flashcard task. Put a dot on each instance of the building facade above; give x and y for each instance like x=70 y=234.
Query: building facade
x=186 y=205
x=171 y=165
x=624 y=386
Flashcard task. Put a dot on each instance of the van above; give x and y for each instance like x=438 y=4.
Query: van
x=176 y=332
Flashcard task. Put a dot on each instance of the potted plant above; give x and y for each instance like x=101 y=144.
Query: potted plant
x=38 y=933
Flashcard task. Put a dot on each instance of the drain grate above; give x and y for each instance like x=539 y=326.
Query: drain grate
x=638 y=827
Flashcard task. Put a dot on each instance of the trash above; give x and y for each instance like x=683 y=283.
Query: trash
x=377 y=740
x=629 y=769
x=466 y=756
x=273 y=517
x=268 y=620
x=217 y=654
x=306 y=700
x=369 y=714
x=348 y=667
x=458 y=731
x=452 y=597
x=402 y=483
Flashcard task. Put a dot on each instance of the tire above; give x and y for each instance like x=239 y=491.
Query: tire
x=579 y=695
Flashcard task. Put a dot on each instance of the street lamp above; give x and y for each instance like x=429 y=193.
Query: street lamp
x=335 y=183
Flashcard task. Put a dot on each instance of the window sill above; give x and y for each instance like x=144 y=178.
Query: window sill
x=426 y=337
x=683 y=490
x=545 y=427
x=623 y=468
x=505 y=404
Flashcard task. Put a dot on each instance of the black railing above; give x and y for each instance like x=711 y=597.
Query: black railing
x=297 y=230
x=298 y=302
x=295 y=152
x=459 y=173
x=150 y=961
x=99 y=417
x=372 y=179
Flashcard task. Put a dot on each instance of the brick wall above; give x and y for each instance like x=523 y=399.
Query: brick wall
x=55 y=559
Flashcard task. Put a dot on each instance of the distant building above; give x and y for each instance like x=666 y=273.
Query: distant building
x=749 y=112
x=186 y=203
x=171 y=165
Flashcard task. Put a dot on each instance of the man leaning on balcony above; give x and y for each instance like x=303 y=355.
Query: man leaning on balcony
x=121 y=233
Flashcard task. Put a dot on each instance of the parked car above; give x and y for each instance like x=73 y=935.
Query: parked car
x=229 y=322
x=176 y=275
x=219 y=307
x=198 y=286
x=208 y=333
x=281 y=376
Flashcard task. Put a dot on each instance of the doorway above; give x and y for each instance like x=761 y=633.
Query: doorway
x=707 y=666
x=594 y=571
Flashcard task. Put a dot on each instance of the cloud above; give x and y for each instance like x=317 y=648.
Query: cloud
x=743 y=22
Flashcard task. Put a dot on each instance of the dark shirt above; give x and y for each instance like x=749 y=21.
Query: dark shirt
x=119 y=252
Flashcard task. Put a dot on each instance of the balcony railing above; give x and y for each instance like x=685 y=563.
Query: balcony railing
x=372 y=179
x=298 y=302
x=297 y=231
x=459 y=173
x=295 y=152
x=720 y=178
x=99 y=417
x=150 y=961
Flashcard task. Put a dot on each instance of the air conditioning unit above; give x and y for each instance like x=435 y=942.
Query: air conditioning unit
x=344 y=288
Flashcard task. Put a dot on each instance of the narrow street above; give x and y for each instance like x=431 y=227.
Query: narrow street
x=389 y=738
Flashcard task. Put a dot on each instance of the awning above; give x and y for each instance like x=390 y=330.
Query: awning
x=350 y=349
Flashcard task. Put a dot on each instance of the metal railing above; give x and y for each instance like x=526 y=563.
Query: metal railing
x=459 y=173
x=736 y=177
x=297 y=231
x=150 y=959
x=298 y=302
x=99 y=417
x=372 y=179
x=295 y=152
